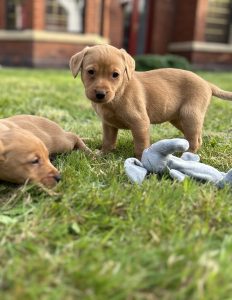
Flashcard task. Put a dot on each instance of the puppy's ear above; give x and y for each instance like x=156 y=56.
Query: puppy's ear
x=129 y=63
x=76 y=61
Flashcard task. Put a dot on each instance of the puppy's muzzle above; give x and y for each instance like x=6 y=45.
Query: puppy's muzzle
x=100 y=95
x=57 y=177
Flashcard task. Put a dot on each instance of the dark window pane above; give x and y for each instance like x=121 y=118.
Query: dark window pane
x=218 y=21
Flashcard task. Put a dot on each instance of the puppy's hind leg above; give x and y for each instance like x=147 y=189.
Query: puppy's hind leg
x=193 y=135
x=191 y=123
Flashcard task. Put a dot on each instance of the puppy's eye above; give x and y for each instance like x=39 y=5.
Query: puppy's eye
x=115 y=74
x=91 y=72
x=35 y=161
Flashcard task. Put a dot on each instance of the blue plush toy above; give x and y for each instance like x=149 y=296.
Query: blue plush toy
x=159 y=159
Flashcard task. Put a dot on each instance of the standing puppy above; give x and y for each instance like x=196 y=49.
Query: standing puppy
x=125 y=99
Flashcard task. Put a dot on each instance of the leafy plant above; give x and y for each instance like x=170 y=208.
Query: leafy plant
x=150 y=62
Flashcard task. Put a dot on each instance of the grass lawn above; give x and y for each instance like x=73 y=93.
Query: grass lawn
x=96 y=236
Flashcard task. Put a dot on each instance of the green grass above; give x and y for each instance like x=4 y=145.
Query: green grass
x=96 y=236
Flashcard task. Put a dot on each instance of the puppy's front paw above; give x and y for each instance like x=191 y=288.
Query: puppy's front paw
x=101 y=152
x=98 y=152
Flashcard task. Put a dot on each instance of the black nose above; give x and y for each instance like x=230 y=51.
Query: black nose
x=100 y=95
x=57 y=177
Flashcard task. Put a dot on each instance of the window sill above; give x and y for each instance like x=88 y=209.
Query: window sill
x=195 y=46
x=50 y=36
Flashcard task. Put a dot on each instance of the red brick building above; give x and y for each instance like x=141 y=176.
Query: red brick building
x=48 y=32
x=200 y=30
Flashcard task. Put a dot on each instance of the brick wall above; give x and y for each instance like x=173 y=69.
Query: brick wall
x=38 y=14
x=34 y=14
x=175 y=21
x=34 y=51
x=189 y=29
x=200 y=21
x=2 y=14
x=39 y=54
x=107 y=20
x=15 y=53
x=184 y=20
x=163 y=18
x=212 y=59
x=92 y=16
x=27 y=14
x=189 y=20
x=47 y=54
x=116 y=24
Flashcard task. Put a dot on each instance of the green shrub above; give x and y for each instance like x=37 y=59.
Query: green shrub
x=150 y=62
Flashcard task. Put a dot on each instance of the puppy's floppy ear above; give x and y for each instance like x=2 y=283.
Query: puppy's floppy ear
x=76 y=61
x=129 y=63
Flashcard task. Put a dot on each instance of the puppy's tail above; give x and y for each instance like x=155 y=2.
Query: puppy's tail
x=216 y=91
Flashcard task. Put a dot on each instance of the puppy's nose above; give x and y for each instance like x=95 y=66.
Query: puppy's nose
x=100 y=95
x=57 y=177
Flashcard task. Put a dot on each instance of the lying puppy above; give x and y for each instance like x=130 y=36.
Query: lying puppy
x=25 y=145
x=125 y=99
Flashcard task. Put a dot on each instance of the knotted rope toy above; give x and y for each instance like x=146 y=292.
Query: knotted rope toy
x=159 y=159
